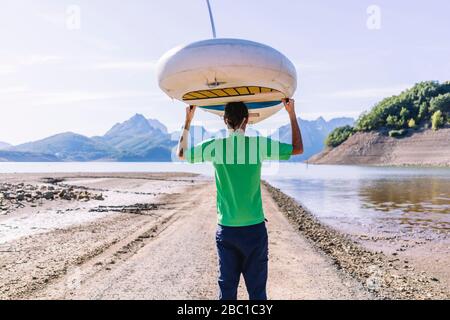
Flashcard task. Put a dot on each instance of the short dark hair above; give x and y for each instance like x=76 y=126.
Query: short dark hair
x=235 y=113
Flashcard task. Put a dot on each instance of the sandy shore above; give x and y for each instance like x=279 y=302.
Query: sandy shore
x=152 y=237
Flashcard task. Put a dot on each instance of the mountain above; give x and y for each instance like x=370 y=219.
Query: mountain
x=139 y=139
x=136 y=126
x=68 y=147
x=155 y=124
x=314 y=134
x=4 y=145
x=340 y=122
x=16 y=156
x=145 y=140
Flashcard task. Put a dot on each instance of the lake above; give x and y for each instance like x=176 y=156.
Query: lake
x=352 y=199
x=371 y=200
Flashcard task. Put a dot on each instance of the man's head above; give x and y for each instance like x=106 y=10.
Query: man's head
x=236 y=115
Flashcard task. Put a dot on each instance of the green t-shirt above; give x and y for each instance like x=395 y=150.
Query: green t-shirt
x=237 y=161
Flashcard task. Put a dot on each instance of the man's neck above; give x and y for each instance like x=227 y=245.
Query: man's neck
x=236 y=132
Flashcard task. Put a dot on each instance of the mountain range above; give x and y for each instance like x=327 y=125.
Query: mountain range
x=147 y=140
x=4 y=145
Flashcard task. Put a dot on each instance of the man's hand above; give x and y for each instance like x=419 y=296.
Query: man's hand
x=289 y=104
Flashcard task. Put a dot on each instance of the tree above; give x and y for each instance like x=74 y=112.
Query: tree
x=441 y=103
x=437 y=120
x=392 y=121
x=365 y=123
x=339 y=136
x=412 y=123
x=418 y=103
x=401 y=123
x=404 y=113
x=423 y=111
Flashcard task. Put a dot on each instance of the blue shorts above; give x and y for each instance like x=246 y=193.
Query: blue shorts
x=243 y=250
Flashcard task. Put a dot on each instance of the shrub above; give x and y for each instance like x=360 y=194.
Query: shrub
x=423 y=111
x=404 y=113
x=437 y=120
x=397 y=133
x=339 y=136
x=391 y=121
x=440 y=103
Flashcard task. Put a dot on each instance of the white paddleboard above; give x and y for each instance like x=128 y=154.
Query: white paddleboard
x=212 y=73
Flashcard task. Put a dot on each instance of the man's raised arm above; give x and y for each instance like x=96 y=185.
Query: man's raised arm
x=184 y=138
x=297 y=142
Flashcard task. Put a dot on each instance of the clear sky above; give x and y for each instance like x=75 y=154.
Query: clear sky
x=57 y=75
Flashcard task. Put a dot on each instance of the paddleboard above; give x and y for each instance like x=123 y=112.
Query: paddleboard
x=212 y=73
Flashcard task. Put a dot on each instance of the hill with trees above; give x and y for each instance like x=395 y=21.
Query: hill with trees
x=424 y=106
x=412 y=128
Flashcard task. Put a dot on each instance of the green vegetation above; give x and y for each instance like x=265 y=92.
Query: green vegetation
x=338 y=136
x=412 y=123
x=437 y=120
x=424 y=104
x=397 y=133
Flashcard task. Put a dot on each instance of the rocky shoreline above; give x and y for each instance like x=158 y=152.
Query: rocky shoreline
x=384 y=276
x=14 y=196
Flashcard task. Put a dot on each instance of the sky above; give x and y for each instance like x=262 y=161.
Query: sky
x=82 y=66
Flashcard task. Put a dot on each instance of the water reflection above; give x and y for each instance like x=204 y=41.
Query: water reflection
x=372 y=199
x=418 y=195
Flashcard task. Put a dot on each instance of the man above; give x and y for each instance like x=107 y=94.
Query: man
x=242 y=240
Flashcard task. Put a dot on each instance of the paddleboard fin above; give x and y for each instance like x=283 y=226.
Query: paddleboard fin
x=211 y=17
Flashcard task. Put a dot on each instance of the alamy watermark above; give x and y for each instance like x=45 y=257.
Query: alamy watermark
x=374 y=17
x=240 y=151
x=73 y=17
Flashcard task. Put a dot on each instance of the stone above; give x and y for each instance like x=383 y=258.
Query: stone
x=99 y=197
x=49 y=195
x=10 y=196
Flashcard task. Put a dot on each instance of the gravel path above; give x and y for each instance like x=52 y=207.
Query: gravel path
x=171 y=255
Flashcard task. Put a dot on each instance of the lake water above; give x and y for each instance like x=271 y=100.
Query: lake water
x=353 y=199
x=372 y=200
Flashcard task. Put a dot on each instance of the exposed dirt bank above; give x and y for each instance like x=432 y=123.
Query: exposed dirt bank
x=426 y=148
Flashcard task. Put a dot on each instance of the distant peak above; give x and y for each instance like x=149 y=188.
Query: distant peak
x=156 y=124
x=137 y=125
x=138 y=116
x=4 y=145
x=66 y=134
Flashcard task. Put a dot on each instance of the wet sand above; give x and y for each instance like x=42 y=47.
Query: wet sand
x=153 y=237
